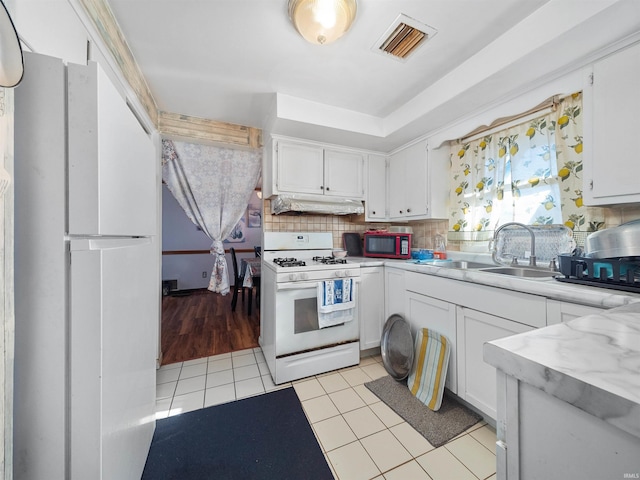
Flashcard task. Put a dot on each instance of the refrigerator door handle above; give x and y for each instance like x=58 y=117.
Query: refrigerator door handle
x=106 y=243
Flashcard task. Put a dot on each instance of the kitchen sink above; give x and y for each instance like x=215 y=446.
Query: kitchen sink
x=464 y=264
x=521 y=272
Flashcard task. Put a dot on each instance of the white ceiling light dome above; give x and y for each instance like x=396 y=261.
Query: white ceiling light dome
x=322 y=21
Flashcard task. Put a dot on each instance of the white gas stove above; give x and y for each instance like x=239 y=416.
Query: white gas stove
x=293 y=266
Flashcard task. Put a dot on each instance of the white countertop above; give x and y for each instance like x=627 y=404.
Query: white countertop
x=546 y=287
x=592 y=363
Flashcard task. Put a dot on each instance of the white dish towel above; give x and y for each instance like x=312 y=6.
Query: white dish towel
x=336 y=302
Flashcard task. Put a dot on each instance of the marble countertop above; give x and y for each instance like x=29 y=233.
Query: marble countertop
x=546 y=287
x=592 y=362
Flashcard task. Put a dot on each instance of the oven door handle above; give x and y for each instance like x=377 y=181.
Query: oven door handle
x=303 y=285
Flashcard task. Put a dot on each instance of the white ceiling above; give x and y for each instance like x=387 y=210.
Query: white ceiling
x=221 y=59
x=226 y=59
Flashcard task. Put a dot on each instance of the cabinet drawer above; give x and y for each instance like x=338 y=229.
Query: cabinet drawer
x=519 y=307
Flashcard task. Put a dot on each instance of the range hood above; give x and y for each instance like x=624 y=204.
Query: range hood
x=314 y=204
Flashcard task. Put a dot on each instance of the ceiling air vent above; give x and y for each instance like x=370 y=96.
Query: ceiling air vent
x=403 y=37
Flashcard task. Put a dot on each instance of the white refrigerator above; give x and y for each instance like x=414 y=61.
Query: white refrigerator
x=87 y=287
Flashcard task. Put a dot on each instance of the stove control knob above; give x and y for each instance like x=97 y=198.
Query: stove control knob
x=304 y=276
x=340 y=273
x=293 y=277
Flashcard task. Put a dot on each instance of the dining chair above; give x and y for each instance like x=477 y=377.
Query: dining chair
x=257 y=249
x=256 y=284
x=237 y=283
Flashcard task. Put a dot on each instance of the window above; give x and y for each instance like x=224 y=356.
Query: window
x=528 y=173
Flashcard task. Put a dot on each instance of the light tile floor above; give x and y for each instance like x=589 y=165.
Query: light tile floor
x=360 y=436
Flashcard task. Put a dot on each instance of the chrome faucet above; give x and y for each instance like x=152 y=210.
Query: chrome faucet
x=532 y=257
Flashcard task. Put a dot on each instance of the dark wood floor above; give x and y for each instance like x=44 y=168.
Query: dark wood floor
x=202 y=324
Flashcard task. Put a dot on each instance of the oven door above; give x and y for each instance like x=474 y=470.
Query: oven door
x=297 y=327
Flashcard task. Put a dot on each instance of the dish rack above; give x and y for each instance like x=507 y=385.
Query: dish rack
x=614 y=273
x=514 y=241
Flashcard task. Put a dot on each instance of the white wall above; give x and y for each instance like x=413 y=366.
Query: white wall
x=179 y=233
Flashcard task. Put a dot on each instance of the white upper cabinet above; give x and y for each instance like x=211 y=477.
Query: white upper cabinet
x=611 y=109
x=343 y=174
x=300 y=168
x=312 y=168
x=376 y=196
x=418 y=183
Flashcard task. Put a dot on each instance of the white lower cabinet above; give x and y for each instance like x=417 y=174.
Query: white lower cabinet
x=477 y=379
x=559 y=312
x=371 y=306
x=434 y=314
x=394 y=292
x=543 y=437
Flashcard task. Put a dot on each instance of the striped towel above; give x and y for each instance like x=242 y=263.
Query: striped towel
x=336 y=302
x=427 y=377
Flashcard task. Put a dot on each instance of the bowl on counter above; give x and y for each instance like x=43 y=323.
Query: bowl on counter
x=339 y=253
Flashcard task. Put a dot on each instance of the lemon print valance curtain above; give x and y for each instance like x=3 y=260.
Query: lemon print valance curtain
x=529 y=173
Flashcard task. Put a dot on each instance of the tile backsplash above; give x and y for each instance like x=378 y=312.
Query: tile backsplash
x=423 y=230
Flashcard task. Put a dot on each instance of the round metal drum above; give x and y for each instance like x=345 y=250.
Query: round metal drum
x=615 y=242
x=397 y=347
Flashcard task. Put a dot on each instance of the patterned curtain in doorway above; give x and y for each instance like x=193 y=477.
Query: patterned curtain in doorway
x=213 y=185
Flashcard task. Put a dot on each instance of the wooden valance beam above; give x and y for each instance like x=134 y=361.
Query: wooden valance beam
x=170 y=124
x=185 y=126
x=105 y=23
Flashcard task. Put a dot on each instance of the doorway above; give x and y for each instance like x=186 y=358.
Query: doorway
x=195 y=322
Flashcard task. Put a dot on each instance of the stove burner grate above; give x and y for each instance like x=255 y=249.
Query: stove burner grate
x=330 y=260
x=289 y=262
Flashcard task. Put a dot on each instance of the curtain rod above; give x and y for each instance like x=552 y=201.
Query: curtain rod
x=551 y=103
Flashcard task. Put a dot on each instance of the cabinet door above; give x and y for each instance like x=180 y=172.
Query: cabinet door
x=560 y=312
x=611 y=106
x=397 y=188
x=434 y=314
x=300 y=168
x=477 y=379
x=416 y=184
x=376 y=195
x=371 y=306
x=394 y=293
x=343 y=174
x=408 y=187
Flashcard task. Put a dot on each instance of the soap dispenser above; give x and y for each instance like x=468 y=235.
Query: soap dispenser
x=439 y=249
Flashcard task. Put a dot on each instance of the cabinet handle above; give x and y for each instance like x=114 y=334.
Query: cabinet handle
x=321 y=187
x=408 y=210
x=373 y=212
x=400 y=212
x=327 y=189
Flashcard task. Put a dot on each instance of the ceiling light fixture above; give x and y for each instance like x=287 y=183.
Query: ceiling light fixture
x=322 y=21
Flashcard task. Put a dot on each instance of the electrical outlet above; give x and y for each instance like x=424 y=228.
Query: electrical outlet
x=204 y=274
